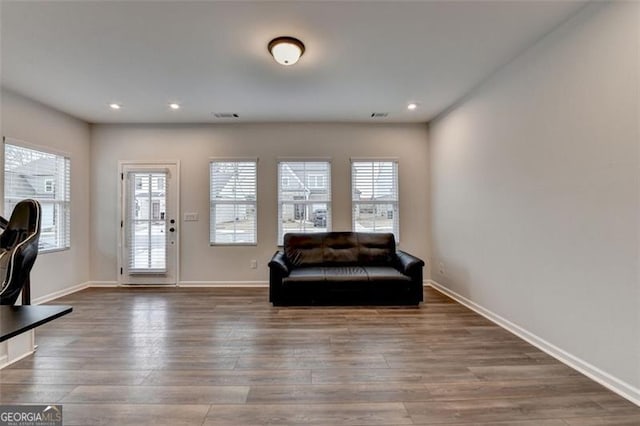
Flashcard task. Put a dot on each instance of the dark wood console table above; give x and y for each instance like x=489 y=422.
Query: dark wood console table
x=15 y=320
x=17 y=324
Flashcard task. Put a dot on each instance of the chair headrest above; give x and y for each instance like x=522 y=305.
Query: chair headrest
x=25 y=216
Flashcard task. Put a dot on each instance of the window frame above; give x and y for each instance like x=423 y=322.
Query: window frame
x=394 y=202
x=61 y=207
x=296 y=203
x=253 y=203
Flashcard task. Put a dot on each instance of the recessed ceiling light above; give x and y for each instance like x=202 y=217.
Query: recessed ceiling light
x=412 y=106
x=286 y=50
x=174 y=106
x=114 y=106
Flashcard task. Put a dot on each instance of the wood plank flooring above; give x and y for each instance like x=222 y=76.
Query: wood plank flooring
x=155 y=356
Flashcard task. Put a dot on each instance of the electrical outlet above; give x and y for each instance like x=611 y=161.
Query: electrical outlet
x=191 y=217
x=441 y=268
x=253 y=264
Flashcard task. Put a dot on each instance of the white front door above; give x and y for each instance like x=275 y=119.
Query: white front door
x=149 y=224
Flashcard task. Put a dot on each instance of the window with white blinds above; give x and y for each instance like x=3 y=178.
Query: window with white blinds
x=304 y=197
x=233 y=197
x=147 y=222
x=42 y=176
x=374 y=195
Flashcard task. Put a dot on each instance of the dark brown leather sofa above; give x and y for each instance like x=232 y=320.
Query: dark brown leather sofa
x=344 y=268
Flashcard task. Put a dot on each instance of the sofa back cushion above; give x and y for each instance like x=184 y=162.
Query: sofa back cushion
x=339 y=248
x=376 y=249
x=303 y=249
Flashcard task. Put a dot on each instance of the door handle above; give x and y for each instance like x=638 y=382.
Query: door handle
x=172 y=229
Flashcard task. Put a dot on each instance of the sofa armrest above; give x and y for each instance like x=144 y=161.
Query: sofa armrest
x=278 y=270
x=408 y=264
x=278 y=263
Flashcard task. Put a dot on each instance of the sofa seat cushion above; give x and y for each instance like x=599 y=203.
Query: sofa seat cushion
x=330 y=274
x=384 y=273
x=345 y=273
x=301 y=275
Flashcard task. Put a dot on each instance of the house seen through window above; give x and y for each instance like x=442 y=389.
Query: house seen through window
x=374 y=192
x=233 y=195
x=42 y=176
x=304 y=202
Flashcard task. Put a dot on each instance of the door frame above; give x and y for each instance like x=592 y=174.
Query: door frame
x=121 y=212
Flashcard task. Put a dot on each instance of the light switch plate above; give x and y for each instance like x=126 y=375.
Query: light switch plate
x=191 y=217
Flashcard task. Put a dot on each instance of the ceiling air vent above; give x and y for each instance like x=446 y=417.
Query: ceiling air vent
x=225 y=115
x=379 y=114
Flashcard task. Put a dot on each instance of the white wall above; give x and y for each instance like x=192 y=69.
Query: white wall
x=193 y=145
x=37 y=124
x=535 y=192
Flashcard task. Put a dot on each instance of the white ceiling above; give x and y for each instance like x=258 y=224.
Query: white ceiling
x=361 y=57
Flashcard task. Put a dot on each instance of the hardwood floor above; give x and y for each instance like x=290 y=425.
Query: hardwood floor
x=136 y=356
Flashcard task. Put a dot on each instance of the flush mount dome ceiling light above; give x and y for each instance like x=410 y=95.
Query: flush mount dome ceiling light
x=286 y=50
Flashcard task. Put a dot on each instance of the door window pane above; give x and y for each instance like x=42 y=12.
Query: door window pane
x=147 y=226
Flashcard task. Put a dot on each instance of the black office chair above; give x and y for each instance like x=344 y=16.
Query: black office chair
x=18 y=251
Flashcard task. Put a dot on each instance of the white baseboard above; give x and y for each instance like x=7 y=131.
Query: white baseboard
x=612 y=383
x=103 y=283
x=4 y=361
x=64 y=292
x=223 y=284
x=185 y=284
x=4 y=352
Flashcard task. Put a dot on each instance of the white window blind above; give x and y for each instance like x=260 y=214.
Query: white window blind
x=304 y=197
x=374 y=195
x=42 y=176
x=233 y=197
x=147 y=222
